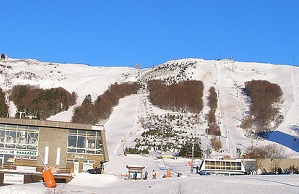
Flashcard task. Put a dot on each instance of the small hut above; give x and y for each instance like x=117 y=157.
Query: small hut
x=135 y=172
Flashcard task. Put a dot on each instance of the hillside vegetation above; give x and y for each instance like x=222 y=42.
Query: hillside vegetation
x=265 y=102
x=3 y=105
x=41 y=103
x=171 y=132
x=92 y=112
x=213 y=127
x=184 y=96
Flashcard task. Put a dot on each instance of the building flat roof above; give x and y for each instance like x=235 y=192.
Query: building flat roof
x=52 y=124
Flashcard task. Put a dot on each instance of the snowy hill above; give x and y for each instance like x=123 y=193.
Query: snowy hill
x=123 y=126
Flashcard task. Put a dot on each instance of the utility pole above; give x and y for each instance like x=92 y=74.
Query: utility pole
x=192 y=158
x=252 y=144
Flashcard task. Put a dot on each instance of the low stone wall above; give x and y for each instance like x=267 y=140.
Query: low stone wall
x=269 y=165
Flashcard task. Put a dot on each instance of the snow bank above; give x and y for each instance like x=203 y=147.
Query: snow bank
x=93 y=180
x=36 y=188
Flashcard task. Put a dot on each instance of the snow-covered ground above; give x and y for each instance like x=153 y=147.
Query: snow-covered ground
x=123 y=126
x=190 y=184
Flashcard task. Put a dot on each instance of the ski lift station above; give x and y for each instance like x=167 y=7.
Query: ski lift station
x=135 y=171
x=64 y=147
x=229 y=166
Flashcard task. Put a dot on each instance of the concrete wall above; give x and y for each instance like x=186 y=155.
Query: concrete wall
x=53 y=138
x=105 y=148
x=270 y=164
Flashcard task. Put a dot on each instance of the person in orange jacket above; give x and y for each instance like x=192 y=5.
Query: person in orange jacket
x=154 y=174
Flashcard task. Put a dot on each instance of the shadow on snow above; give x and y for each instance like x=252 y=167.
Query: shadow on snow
x=284 y=139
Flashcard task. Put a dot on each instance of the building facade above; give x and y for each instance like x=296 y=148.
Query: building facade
x=77 y=147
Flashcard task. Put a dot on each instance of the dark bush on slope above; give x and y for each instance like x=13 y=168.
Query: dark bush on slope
x=264 y=107
x=3 y=105
x=182 y=97
x=212 y=99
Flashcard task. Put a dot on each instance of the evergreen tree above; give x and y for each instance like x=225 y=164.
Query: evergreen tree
x=87 y=100
x=3 y=106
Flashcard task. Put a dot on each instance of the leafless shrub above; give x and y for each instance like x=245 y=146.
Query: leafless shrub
x=216 y=143
x=180 y=188
x=264 y=107
x=183 y=96
x=272 y=151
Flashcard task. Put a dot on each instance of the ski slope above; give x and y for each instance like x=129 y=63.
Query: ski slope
x=123 y=126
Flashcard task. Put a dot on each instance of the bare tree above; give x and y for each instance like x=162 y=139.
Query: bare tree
x=180 y=188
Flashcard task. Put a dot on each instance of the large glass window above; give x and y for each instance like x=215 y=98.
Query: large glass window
x=2 y=137
x=239 y=165
x=19 y=141
x=83 y=141
x=223 y=165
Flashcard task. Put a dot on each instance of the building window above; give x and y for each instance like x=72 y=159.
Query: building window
x=85 y=142
x=19 y=141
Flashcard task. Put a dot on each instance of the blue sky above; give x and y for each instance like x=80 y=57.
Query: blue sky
x=126 y=32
